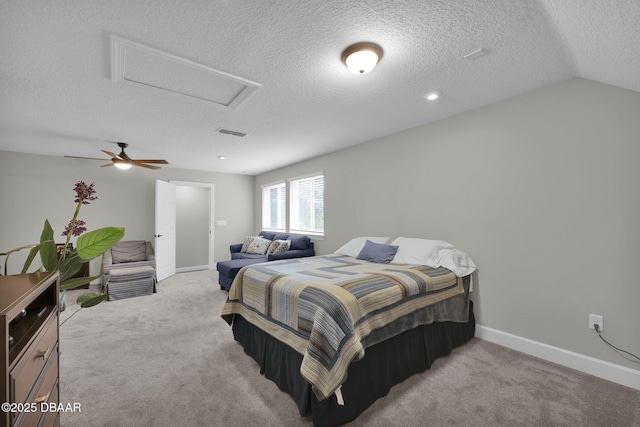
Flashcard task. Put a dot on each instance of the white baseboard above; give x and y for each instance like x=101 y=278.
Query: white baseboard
x=598 y=368
x=194 y=268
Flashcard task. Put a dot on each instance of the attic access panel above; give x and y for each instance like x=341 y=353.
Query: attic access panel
x=136 y=63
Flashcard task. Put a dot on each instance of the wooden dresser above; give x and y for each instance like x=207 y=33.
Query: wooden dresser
x=29 y=366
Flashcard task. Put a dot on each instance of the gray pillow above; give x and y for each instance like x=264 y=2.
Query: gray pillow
x=377 y=252
x=131 y=251
x=267 y=235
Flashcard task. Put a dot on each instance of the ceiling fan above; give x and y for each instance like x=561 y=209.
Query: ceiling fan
x=123 y=161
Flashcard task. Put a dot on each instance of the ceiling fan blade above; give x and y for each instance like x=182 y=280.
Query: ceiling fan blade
x=113 y=155
x=86 y=158
x=117 y=159
x=163 y=162
x=137 y=163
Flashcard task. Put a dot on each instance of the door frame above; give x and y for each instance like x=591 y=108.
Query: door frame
x=165 y=229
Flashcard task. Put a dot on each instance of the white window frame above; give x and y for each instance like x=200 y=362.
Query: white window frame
x=281 y=220
x=294 y=206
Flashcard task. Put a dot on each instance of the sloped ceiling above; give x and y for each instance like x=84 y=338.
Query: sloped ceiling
x=58 y=95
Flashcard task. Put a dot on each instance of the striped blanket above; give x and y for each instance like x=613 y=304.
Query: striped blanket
x=325 y=306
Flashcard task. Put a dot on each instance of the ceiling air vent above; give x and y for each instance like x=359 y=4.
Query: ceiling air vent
x=231 y=132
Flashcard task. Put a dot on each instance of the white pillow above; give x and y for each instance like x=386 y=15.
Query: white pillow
x=457 y=261
x=246 y=242
x=258 y=246
x=354 y=246
x=419 y=251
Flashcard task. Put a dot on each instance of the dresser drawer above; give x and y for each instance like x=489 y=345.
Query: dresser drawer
x=51 y=419
x=46 y=391
x=27 y=370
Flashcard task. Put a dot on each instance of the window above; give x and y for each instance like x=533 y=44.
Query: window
x=274 y=200
x=307 y=205
x=305 y=213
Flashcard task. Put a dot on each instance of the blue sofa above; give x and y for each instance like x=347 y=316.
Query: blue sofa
x=301 y=246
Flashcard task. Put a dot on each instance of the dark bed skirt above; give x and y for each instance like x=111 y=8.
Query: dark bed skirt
x=384 y=365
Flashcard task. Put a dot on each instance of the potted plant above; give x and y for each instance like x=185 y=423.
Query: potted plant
x=69 y=260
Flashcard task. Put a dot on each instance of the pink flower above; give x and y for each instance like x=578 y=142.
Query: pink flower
x=84 y=193
x=76 y=227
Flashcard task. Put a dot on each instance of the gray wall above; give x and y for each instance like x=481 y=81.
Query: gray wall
x=34 y=188
x=541 y=190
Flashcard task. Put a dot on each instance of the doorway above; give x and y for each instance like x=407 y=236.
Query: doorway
x=192 y=215
x=192 y=228
x=194 y=225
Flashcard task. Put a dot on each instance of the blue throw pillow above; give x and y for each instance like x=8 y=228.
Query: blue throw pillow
x=281 y=237
x=300 y=243
x=267 y=235
x=376 y=252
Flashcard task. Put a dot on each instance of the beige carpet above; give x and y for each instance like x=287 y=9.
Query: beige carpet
x=169 y=360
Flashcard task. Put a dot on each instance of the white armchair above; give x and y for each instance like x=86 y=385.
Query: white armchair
x=129 y=269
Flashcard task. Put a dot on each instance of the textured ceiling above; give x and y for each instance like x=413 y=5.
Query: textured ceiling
x=57 y=96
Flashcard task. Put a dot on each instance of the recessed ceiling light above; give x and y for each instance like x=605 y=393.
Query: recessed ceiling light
x=222 y=157
x=431 y=96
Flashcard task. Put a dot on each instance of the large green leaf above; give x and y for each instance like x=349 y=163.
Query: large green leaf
x=48 y=253
x=89 y=300
x=70 y=266
x=97 y=242
x=77 y=282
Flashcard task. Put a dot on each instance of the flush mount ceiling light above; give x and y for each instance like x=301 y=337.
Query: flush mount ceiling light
x=361 y=58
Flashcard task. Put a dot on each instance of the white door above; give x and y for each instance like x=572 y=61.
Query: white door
x=165 y=229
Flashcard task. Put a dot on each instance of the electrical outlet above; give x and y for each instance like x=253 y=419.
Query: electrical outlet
x=595 y=319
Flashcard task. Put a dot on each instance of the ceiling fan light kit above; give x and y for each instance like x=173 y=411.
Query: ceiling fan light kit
x=123 y=161
x=121 y=165
x=361 y=58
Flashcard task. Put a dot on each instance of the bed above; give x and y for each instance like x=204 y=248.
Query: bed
x=336 y=332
